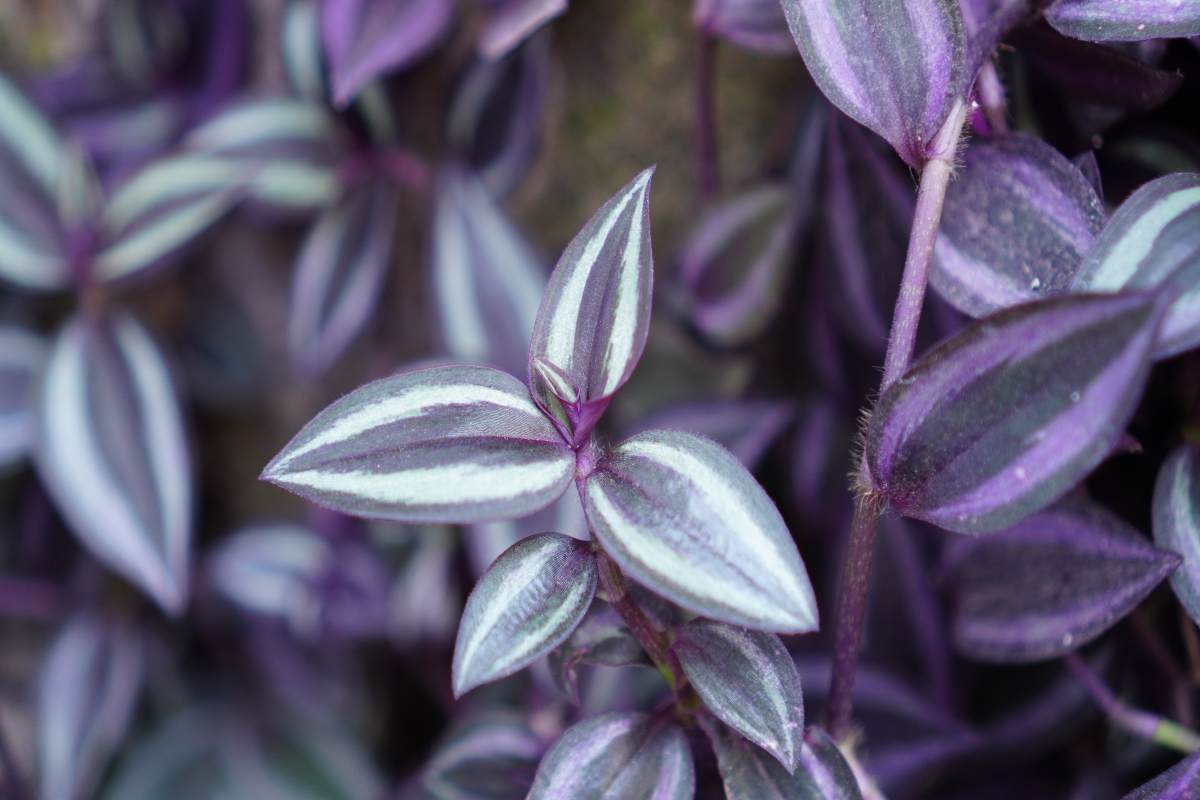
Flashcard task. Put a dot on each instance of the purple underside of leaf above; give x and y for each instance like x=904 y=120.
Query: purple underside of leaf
x=1126 y=21
x=747 y=680
x=1018 y=219
x=1180 y=782
x=617 y=755
x=1002 y=419
x=682 y=516
x=365 y=39
x=111 y=451
x=339 y=273
x=896 y=68
x=756 y=25
x=1095 y=73
x=524 y=606
x=1177 y=522
x=513 y=21
x=1052 y=583
x=444 y=444
x=594 y=316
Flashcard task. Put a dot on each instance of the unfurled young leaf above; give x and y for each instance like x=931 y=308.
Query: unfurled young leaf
x=339 y=274
x=1177 y=522
x=1004 y=418
x=88 y=690
x=22 y=357
x=1179 y=782
x=1019 y=218
x=510 y=22
x=490 y=756
x=523 y=607
x=736 y=262
x=487 y=280
x=365 y=39
x=594 y=317
x=1052 y=583
x=897 y=68
x=749 y=773
x=1125 y=21
x=748 y=681
x=161 y=209
x=614 y=756
x=600 y=639
x=757 y=25
x=444 y=444
x=110 y=448
x=1152 y=239
x=679 y=514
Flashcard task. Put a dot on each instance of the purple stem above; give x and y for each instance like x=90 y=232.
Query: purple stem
x=1140 y=723
x=860 y=553
x=707 y=168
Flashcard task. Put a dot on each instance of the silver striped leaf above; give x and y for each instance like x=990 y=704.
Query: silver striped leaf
x=1126 y=21
x=682 y=516
x=22 y=358
x=110 y=448
x=487 y=280
x=426 y=598
x=300 y=47
x=749 y=773
x=162 y=208
x=1153 y=239
x=594 y=317
x=33 y=244
x=444 y=444
x=1177 y=522
x=89 y=687
x=748 y=681
x=339 y=275
x=617 y=756
x=489 y=756
x=900 y=69
x=523 y=607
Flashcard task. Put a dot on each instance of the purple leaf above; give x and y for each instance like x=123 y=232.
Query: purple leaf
x=22 y=357
x=1093 y=73
x=736 y=262
x=1177 y=522
x=682 y=516
x=1151 y=240
x=1052 y=583
x=1126 y=21
x=592 y=324
x=487 y=280
x=747 y=428
x=365 y=39
x=111 y=451
x=1178 y=783
x=756 y=25
x=444 y=444
x=523 y=607
x=510 y=22
x=748 y=681
x=1019 y=218
x=89 y=687
x=749 y=773
x=601 y=638
x=1004 y=418
x=495 y=119
x=491 y=755
x=897 y=68
x=617 y=755
x=339 y=274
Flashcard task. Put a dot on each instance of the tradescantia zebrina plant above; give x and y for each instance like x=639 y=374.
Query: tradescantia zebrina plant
x=673 y=511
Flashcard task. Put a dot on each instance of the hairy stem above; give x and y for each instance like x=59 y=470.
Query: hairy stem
x=652 y=640
x=1143 y=724
x=851 y=611
x=860 y=553
x=707 y=169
